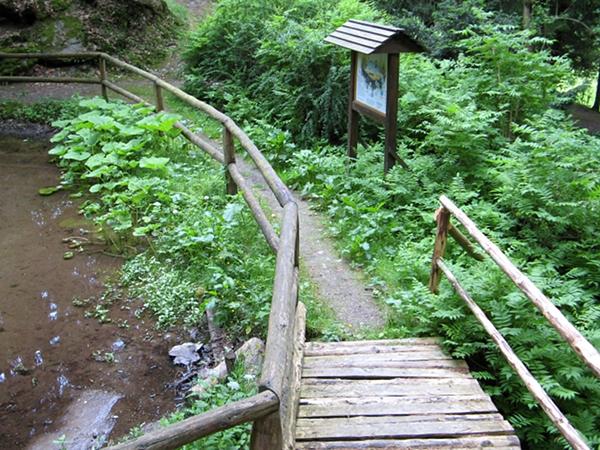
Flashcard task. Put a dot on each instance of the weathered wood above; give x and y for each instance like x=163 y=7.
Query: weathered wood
x=428 y=359
x=384 y=372
x=391 y=122
x=442 y=218
x=372 y=349
x=586 y=351
x=532 y=385
x=267 y=433
x=202 y=142
x=229 y=158
x=376 y=357
x=395 y=387
x=464 y=442
x=433 y=341
x=291 y=400
x=261 y=219
x=24 y=79
x=283 y=305
x=392 y=406
x=367 y=111
x=125 y=93
x=160 y=103
x=102 y=69
x=401 y=427
x=279 y=189
x=189 y=430
x=464 y=242
x=352 y=114
x=217 y=336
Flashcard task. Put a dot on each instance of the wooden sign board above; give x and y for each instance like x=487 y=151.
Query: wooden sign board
x=373 y=78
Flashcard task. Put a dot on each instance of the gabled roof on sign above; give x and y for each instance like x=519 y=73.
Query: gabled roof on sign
x=367 y=38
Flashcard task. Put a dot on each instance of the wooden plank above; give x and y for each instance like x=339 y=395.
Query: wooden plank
x=382 y=360
x=586 y=351
x=290 y=402
x=394 y=406
x=352 y=114
x=372 y=349
x=344 y=29
x=380 y=342
x=365 y=42
x=189 y=430
x=354 y=25
x=324 y=387
x=401 y=427
x=391 y=113
x=465 y=442
x=384 y=372
x=349 y=45
x=533 y=386
x=376 y=357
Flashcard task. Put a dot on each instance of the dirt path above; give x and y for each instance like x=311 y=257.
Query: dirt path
x=340 y=286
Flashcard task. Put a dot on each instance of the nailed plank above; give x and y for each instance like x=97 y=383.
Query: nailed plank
x=417 y=355
x=407 y=341
x=325 y=387
x=350 y=348
x=492 y=442
x=384 y=372
x=391 y=360
x=384 y=406
x=401 y=427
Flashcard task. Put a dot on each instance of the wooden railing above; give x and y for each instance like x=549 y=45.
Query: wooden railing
x=273 y=409
x=584 y=349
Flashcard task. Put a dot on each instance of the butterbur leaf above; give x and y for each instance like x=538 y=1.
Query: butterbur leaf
x=49 y=190
x=77 y=156
x=154 y=163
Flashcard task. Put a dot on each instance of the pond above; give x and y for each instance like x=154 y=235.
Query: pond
x=62 y=373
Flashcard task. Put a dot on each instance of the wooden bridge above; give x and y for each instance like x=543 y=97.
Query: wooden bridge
x=392 y=394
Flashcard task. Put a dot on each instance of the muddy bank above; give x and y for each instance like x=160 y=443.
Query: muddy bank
x=51 y=355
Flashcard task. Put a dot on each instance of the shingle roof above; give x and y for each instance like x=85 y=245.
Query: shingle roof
x=367 y=38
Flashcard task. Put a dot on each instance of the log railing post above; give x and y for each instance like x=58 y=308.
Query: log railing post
x=442 y=218
x=229 y=158
x=160 y=104
x=102 y=67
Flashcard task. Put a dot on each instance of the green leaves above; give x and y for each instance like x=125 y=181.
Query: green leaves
x=154 y=163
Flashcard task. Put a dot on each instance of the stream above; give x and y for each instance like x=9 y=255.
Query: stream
x=64 y=377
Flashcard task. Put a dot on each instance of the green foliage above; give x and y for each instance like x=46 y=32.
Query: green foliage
x=240 y=47
x=44 y=112
x=480 y=129
x=237 y=386
x=149 y=190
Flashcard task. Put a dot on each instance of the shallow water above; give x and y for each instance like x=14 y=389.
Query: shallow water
x=46 y=343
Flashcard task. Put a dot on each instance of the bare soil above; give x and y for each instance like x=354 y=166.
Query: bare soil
x=46 y=344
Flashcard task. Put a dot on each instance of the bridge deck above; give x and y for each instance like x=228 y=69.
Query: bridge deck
x=394 y=394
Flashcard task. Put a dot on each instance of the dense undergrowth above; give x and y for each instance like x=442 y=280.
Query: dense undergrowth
x=483 y=128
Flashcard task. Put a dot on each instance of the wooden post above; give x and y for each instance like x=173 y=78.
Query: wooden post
x=160 y=104
x=229 y=156
x=102 y=66
x=352 y=114
x=442 y=218
x=391 y=116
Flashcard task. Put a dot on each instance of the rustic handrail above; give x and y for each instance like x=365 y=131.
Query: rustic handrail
x=196 y=427
x=584 y=349
x=270 y=409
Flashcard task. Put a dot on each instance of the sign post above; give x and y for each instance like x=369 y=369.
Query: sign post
x=374 y=74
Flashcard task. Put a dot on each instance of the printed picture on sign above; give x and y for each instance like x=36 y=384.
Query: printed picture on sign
x=371 y=81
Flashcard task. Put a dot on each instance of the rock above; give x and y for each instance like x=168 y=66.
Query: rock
x=185 y=354
x=1 y=323
x=251 y=353
x=87 y=423
x=118 y=345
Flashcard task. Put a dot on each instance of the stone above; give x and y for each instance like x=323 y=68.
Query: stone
x=251 y=353
x=185 y=354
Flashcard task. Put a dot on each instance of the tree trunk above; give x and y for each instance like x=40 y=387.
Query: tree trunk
x=596 y=106
x=527 y=11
